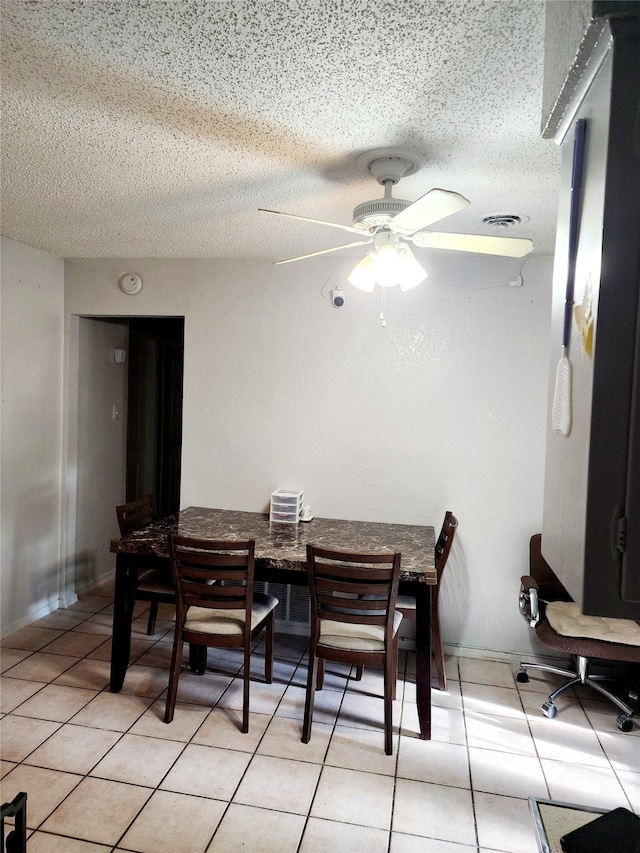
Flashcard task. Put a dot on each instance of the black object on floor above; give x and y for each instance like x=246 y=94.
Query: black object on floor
x=617 y=831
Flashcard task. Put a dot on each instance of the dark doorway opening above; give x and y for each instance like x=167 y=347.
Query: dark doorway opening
x=154 y=419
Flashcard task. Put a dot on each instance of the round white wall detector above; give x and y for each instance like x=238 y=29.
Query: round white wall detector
x=130 y=283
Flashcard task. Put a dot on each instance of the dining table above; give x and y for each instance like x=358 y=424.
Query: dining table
x=280 y=557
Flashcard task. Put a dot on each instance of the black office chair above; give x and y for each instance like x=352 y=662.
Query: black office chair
x=16 y=840
x=560 y=625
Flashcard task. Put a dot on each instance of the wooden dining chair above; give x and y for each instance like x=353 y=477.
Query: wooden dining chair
x=216 y=606
x=406 y=604
x=349 y=628
x=154 y=584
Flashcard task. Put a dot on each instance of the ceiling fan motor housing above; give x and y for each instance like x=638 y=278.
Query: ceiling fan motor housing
x=378 y=211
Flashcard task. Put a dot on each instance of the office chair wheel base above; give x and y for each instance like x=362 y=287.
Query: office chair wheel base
x=549 y=710
x=625 y=723
x=522 y=676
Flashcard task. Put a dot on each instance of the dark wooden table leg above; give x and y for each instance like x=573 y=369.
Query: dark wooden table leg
x=124 y=598
x=197 y=659
x=423 y=658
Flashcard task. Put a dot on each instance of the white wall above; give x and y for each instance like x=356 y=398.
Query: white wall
x=568 y=457
x=443 y=409
x=31 y=447
x=101 y=448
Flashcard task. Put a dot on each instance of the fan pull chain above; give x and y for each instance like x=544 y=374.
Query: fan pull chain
x=383 y=304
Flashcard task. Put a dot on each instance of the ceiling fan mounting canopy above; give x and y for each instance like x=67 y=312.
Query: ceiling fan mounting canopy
x=388 y=165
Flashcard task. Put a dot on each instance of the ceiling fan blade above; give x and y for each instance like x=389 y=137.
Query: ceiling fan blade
x=325 y=251
x=508 y=247
x=429 y=208
x=317 y=221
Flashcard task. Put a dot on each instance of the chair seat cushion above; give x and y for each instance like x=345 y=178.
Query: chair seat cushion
x=565 y=618
x=208 y=620
x=350 y=635
x=154 y=580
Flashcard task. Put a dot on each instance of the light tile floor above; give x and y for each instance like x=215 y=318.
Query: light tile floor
x=104 y=773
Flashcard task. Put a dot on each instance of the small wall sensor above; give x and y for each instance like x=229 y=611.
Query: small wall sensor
x=337 y=297
x=130 y=283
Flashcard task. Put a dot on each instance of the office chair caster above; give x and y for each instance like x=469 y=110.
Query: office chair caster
x=625 y=723
x=522 y=676
x=549 y=710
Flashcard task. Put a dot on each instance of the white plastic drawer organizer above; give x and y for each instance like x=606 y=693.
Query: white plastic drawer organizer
x=286 y=505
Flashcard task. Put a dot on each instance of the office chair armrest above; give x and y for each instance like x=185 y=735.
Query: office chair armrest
x=528 y=602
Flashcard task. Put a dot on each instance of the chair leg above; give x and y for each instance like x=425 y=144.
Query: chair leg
x=308 y=705
x=246 y=678
x=197 y=659
x=389 y=672
x=174 y=676
x=359 y=671
x=394 y=684
x=611 y=696
x=153 y=615
x=436 y=643
x=268 y=650
x=545 y=667
x=583 y=677
x=320 y=676
x=572 y=683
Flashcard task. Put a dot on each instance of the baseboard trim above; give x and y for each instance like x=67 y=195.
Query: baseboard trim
x=35 y=613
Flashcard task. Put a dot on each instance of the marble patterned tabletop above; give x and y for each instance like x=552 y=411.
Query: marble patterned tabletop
x=283 y=546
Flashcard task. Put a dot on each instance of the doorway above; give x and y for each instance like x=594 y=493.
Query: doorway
x=110 y=459
x=154 y=410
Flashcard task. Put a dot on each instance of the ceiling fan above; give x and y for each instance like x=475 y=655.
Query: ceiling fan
x=389 y=222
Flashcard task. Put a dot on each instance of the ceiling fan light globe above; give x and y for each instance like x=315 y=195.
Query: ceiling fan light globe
x=412 y=272
x=388 y=265
x=362 y=275
x=398 y=265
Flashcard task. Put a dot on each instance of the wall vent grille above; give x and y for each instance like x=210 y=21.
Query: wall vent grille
x=293 y=613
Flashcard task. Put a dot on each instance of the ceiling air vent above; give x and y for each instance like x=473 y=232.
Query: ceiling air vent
x=502 y=220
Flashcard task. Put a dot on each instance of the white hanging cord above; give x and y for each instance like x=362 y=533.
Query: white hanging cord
x=331 y=274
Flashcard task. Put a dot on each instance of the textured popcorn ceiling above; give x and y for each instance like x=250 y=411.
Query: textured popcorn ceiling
x=156 y=129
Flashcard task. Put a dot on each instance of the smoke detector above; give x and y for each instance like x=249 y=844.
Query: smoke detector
x=130 y=283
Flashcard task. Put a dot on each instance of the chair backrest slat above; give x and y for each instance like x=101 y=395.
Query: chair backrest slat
x=339 y=582
x=136 y=514
x=350 y=587
x=214 y=574
x=444 y=542
x=354 y=573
